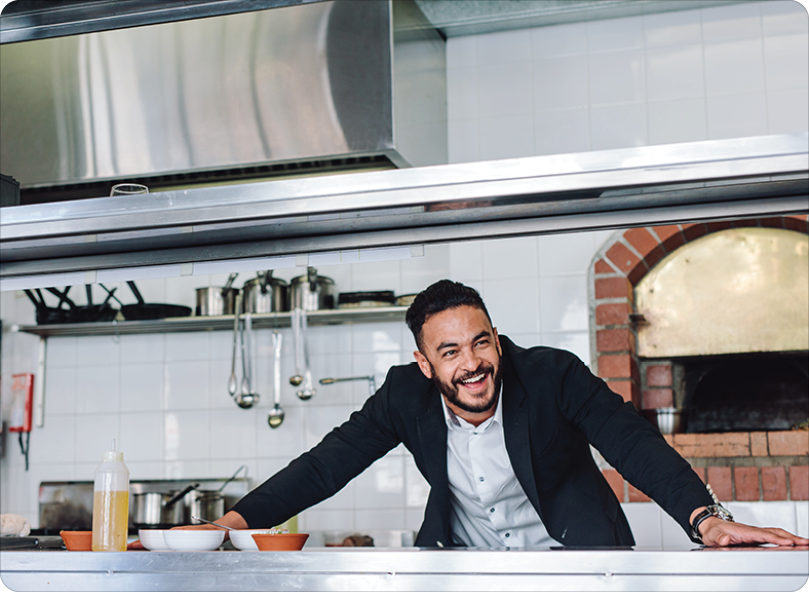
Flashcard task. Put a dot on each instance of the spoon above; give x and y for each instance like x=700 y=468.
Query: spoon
x=212 y=523
x=232 y=381
x=249 y=398
x=243 y=398
x=296 y=379
x=276 y=416
x=308 y=389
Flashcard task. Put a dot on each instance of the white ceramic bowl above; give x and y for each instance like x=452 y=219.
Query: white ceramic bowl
x=153 y=539
x=193 y=540
x=243 y=539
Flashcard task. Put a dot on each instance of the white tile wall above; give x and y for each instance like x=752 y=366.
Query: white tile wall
x=686 y=76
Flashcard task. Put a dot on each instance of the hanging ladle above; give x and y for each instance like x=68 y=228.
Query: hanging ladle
x=276 y=416
x=308 y=388
x=247 y=397
x=232 y=384
x=296 y=378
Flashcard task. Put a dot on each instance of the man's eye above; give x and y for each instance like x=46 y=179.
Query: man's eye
x=483 y=342
x=448 y=353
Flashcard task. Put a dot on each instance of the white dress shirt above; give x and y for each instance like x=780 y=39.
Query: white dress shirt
x=489 y=506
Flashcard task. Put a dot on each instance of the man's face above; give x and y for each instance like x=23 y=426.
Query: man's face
x=461 y=354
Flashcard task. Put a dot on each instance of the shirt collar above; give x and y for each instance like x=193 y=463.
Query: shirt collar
x=453 y=421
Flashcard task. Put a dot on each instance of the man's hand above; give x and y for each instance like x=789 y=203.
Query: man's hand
x=720 y=533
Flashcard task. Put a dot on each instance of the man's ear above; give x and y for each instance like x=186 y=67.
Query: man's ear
x=424 y=364
x=497 y=341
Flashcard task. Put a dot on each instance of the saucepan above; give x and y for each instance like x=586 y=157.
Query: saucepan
x=215 y=301
x=154 y=508
x=265 y=293
x=210 y=505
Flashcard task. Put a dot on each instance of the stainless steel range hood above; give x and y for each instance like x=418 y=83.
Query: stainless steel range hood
x=317 y=86
x=254 y=225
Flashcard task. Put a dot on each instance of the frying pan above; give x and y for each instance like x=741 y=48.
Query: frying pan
x=143 y=311
x=90 y=313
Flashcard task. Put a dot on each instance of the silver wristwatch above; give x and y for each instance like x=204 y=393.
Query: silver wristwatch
x=712 y=510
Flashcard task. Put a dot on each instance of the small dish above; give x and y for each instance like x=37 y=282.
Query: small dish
x=153 y=539
x=288 y=541
x=193 y=540
x=77 y=540
x=243 y=539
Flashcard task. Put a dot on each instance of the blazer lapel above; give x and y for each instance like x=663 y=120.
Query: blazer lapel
x=516 y=428
x=433 y=439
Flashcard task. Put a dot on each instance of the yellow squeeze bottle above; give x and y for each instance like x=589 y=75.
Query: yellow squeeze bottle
x=111 y=502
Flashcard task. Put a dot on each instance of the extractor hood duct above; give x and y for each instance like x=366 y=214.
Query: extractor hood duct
x=318 y=86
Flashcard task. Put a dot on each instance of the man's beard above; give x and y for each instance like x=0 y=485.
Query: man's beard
x=450 y=391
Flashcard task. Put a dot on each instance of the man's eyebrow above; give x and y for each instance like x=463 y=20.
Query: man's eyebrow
x=481 y=334
x=447 y=344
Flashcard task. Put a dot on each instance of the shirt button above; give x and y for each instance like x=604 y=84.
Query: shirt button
x=491 y=510
x=481 y=479
x=508 y=535
x=475 y=433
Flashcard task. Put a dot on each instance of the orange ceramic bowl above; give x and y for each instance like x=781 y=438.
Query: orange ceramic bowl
x=286 y=541
x=78 y=540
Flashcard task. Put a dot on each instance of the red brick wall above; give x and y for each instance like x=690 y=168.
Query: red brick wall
x=736 y=469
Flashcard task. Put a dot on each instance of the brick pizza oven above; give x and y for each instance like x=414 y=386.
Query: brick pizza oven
x=750 y=439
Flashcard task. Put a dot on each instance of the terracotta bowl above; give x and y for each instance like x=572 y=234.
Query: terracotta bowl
x=78 y=540
x=287 y=541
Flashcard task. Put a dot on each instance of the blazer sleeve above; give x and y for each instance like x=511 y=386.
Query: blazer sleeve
x=324 y=470
x=630 y=443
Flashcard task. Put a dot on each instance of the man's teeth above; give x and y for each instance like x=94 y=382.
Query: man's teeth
x=474 y=378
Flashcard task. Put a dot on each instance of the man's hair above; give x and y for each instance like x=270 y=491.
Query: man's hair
x=442 y=295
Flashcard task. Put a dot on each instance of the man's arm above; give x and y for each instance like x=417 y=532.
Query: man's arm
x=641 y=455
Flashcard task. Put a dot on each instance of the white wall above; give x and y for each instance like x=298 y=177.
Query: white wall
x=705 y=74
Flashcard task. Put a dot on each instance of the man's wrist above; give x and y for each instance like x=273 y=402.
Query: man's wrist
x=705 y=514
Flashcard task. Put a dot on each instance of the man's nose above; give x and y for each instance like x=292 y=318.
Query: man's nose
x=470 y=360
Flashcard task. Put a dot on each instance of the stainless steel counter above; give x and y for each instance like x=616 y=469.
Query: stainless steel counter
x=411 y=569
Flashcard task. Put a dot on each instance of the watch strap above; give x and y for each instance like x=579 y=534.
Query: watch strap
x=712 y=510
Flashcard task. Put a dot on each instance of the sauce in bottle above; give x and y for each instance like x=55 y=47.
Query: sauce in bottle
x=111 y=502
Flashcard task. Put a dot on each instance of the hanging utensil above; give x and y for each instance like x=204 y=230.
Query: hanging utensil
x=296 y=378
x=248 y=397
x=276 y=416
x=232 y=384
x=308 y=387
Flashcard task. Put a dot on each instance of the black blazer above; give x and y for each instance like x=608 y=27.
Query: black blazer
x=553 y=407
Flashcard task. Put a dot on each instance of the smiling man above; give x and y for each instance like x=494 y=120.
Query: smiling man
x=502 y=434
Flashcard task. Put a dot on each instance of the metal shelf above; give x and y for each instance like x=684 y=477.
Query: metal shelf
x=218 y=323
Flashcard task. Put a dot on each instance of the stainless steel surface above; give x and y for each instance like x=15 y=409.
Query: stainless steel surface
x=452 y=17
x=472 y=17
x=312 y=291
x=371 y=382
x=308 y=390
x=198 y=519
x=276 y=416
x=215 y=301
x=265 y=294
x=31 y=21
x=232 y=383
x=370 y=568
x=741 y=290
x=311 y=83
x=185 y=324
x=153 y=508
x=247 y=397
x=595 y=190
x=69 y=504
